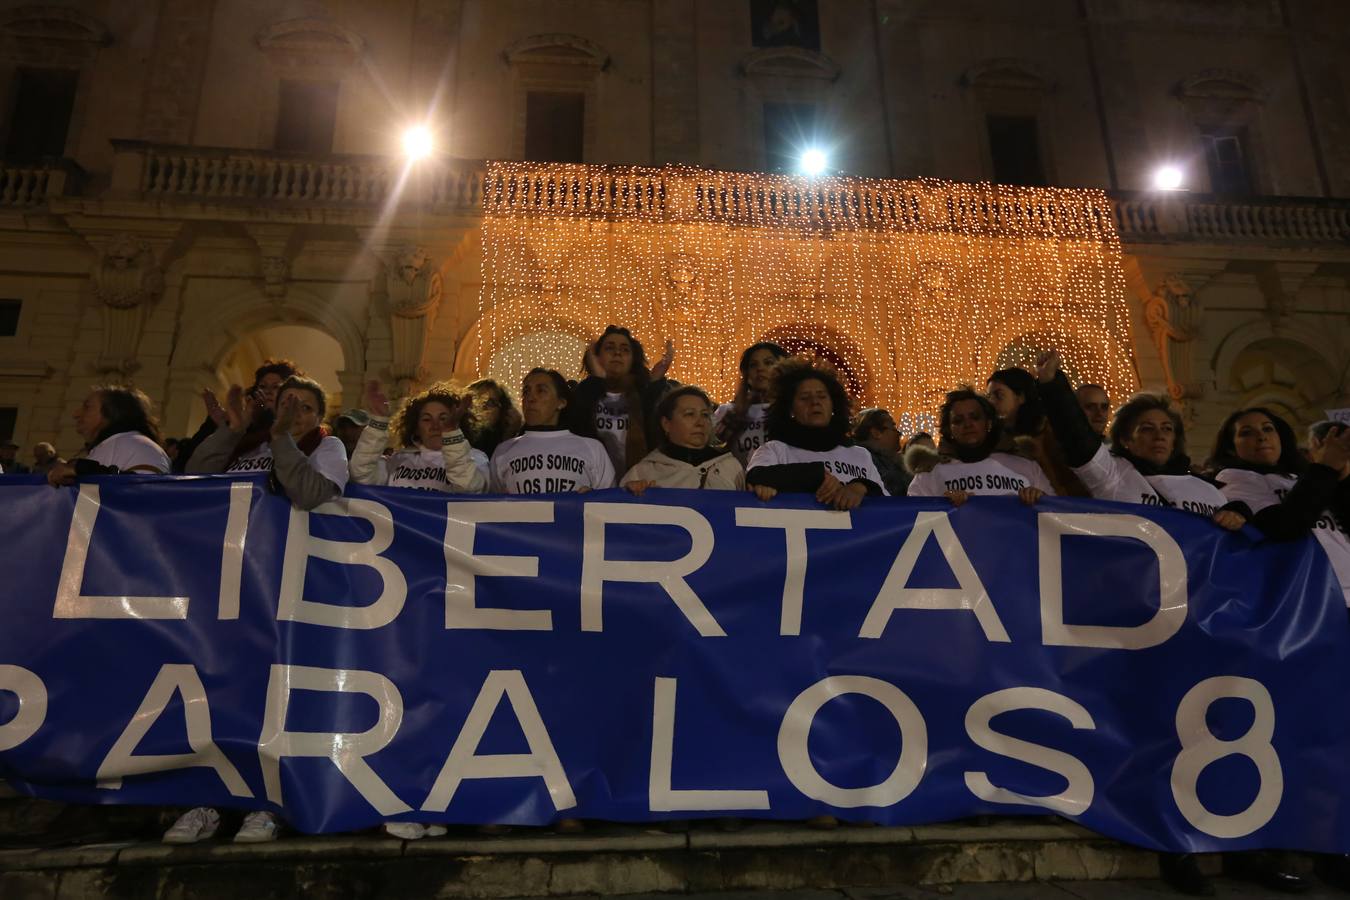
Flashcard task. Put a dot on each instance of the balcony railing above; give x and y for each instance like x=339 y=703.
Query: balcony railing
x=253 y=177
x=1164 y=218
x=23 y=186
x=678 y=194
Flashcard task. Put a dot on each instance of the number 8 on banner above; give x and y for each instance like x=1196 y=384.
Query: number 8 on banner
x=1200 y=747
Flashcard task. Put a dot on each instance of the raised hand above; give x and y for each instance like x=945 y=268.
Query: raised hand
x=1333 y=451
x=214 y=410
x=593 y=366
x=376 y=401
x=460 y=410
x=1047 y=365
x=286 y=411
x=663 y=364
x=237 y=408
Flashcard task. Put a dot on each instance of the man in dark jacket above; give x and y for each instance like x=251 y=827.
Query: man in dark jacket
x=875 y=429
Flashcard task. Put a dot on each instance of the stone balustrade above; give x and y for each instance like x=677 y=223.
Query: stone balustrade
x=682 y=194
x=31 y=185
x=1165 y=218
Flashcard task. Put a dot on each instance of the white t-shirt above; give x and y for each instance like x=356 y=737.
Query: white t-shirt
x=329 y=459
x=845 y=463
x=1111 y=477
x=611 y=426
x=999 y=473
x=753 y=437
x=550 y=462
x=130 y=449
x=1259 y=491
x=425 y=470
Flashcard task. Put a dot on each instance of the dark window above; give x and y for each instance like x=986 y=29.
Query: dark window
x=1015 y=148
x=555 y=124
x=307 y=116
x=1226 y=156
x=785 y=23
x=9 y=317
x=8 y=416
x=39 y=116
x=789 y=131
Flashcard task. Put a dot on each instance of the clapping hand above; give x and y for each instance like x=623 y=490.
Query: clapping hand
x=287 y=407
x=1047 y=366
x=238 y=408
x=663 y=364
x=376 y=401
x=214 y=410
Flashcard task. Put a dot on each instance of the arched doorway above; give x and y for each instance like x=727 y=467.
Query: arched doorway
x=549 y=349
x=1291 y=378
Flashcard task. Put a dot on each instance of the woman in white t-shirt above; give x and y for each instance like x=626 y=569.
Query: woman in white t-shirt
x=305 y=462
x=740 y=423
x=1145 y=461
x=684 y=459
x=807 y=450
x=616 y=403
x=975 y=457
x=122 y=436
x=548 y=458
x=1256 y=461
x=432 y=453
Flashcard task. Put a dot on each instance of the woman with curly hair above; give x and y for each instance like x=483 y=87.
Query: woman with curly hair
x=807 y=450
x=1256 y=460
x=493 y=418
x=431 y=453
x=975 y=456
x=122 y=436
x=740 y=423
x=684 y=459
x=616 y=404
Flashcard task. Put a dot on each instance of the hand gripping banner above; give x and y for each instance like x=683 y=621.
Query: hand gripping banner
x=407 y=655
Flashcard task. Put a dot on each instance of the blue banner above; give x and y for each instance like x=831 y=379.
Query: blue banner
x=399 y=655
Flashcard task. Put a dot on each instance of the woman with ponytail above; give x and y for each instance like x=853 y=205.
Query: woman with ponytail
x=740 y=423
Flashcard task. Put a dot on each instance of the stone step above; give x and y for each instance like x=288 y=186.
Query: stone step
x=55 y=851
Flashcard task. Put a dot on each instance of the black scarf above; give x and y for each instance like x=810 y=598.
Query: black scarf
x=808 y=437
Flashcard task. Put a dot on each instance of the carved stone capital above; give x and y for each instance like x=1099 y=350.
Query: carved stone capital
x=414 y=284
x=276 y=273
x=127 y=274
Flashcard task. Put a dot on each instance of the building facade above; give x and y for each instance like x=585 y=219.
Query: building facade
x=191 y=186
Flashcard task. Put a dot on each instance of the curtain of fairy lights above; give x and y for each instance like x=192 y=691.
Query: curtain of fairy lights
x=907 y=288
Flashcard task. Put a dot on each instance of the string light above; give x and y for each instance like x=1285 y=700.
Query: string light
x=907 y=288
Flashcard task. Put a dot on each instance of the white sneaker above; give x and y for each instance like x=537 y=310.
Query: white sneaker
x=407 y=831
x=258 y=828
x=192 y=826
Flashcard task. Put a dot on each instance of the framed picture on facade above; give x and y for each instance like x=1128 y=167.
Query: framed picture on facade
x=785 y=23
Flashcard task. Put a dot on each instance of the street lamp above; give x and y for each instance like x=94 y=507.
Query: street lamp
x=1168 y=178
x=813 y=162
x=417 y=143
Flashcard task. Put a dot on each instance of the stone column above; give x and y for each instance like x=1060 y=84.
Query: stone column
x=413 y=288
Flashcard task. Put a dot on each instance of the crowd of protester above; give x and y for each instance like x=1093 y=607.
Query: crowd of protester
x=787 y=429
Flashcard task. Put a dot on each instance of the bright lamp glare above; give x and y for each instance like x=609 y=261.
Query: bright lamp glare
x=417 y=142
x=813 y=162
x=1167 y=178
